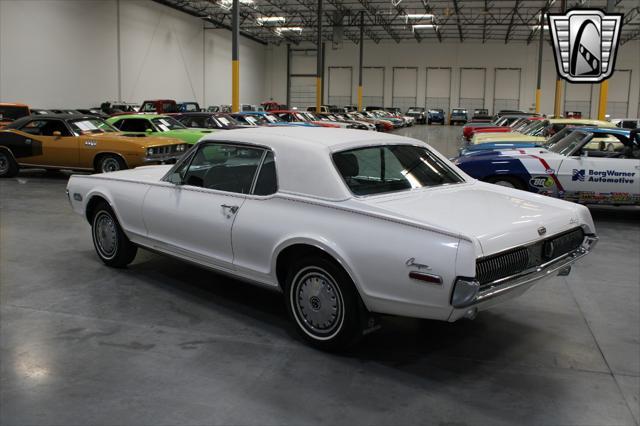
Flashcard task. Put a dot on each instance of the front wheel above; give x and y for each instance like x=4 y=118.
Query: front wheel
x=111 y=244
x=323 y=303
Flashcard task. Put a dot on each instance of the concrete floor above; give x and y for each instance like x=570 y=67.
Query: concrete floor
x=165 y=343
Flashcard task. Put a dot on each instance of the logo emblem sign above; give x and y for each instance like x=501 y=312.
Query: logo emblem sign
x=585 y=43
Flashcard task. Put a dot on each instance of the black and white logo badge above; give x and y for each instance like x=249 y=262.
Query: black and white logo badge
x=585 y=43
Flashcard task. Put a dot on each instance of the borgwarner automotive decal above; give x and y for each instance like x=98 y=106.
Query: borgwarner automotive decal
x=603 y=176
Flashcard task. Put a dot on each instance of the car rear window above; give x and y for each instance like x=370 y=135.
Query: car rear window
x=391 y=168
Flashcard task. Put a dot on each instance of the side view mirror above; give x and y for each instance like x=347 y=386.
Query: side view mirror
x=57 y=134
x=584 y=154
x=149 y=131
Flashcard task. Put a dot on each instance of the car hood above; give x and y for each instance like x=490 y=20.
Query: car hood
x=495 y=218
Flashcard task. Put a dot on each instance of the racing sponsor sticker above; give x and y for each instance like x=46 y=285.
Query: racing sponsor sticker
x=603 y=176
x=541 y=182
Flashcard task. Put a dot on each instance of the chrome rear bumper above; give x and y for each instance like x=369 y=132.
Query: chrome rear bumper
x=514 y=285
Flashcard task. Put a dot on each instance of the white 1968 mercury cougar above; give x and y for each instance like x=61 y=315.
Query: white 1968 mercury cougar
x=347 y=224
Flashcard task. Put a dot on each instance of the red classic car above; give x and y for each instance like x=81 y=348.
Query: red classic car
x=293 y=116
x=507 y=123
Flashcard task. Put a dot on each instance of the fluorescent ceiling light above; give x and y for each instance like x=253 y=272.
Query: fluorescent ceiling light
x=289 y=29
x=423 y=26
x=419 y=16
x=270 y=19
x=228 y=4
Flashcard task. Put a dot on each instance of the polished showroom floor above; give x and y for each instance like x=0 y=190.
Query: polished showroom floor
x=166 y=343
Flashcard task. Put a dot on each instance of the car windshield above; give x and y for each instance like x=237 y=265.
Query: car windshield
x=557 y=137
x=418 y=110
x=390 y=168
x=459 y=111
x=91 y=125
x=534 y=127
x=568 y=144
x=272 y=118
x=11 y=113
x=164 y=124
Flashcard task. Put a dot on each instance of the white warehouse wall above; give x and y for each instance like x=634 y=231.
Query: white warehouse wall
x=471 y=54
x=68 y=58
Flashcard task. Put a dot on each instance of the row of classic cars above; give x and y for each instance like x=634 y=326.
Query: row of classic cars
x=573 y=158
x=360 y=224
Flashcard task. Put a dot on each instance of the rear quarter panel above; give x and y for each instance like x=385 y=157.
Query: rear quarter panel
x=372 y=250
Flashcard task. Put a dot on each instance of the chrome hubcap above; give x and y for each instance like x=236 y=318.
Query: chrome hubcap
x=4 y=164
x=318 y=302
x=110 y=165
x=106 y=235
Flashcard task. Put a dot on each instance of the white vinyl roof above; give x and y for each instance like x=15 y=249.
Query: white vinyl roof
x=303 y=154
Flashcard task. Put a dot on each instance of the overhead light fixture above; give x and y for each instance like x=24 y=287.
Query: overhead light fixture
x=228 y=4
x=270 y=20
x=419 y=16
x=280 y=30
x=424 y=26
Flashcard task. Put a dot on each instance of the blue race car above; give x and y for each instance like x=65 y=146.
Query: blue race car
x=588 y=165
x=515 y=144
x=265 y=118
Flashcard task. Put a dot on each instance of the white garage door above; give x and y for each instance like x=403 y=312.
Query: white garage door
x=506 y=89
x=302 y=89
x=438 y=93
x=340 y=81
x=373 y=86
x=472 y=88
x=405 y=87
x=577 y=97
x=618 y=97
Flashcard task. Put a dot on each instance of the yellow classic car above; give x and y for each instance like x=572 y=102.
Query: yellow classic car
x=79 y=142
x=538 y=131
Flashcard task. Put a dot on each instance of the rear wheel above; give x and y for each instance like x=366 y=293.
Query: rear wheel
x=111 y=244
x=323 y=303
x=110 y=163
x=8 y=165
x=506 y=181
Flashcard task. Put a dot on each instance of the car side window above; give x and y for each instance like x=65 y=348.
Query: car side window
x=267 y=182
x=224 y=167
x=133 y=125
x=46 y=128
x=33 y=127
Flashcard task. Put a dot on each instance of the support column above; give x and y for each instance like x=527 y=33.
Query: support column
x=541 y=44
x=288 y=75
x=557 y=104
x=319 y=65
x=360 y=64
x=604 y=86
x=235 y=59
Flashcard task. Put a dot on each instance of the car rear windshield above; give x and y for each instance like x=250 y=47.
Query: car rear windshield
x=390 y=168
x=11 y=113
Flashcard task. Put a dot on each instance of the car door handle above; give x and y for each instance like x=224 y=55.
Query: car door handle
x=232 y=209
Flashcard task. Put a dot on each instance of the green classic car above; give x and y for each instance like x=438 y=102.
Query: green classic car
x=157 y=124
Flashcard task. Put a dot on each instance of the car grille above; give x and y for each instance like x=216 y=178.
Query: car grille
x=520 y=259
x=164 y=150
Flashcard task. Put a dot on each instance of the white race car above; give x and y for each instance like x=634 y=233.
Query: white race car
x=589 y=166
x=345 y=223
